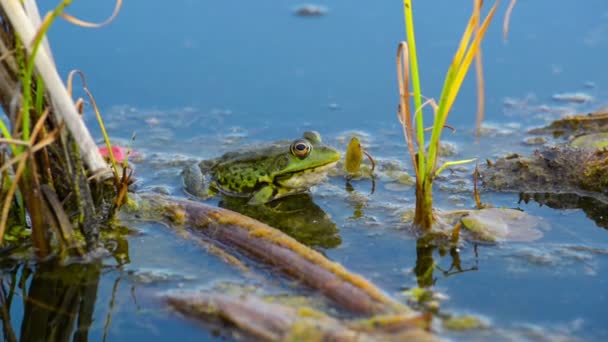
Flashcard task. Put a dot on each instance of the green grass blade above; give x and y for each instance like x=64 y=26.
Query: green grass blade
x=409 y=24
x=453 y=163
x=452 y=86
x=39 y=94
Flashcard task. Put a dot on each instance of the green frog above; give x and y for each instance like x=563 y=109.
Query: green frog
x=264 y=173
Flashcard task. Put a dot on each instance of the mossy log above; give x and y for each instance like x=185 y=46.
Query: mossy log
x=273 y=247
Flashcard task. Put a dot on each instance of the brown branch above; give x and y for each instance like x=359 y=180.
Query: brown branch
x=272 y=321
x=271 y=246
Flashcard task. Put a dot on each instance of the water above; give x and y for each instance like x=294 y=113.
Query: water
x=197 y=78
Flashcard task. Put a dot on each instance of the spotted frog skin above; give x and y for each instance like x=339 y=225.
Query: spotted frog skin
x=264 y=173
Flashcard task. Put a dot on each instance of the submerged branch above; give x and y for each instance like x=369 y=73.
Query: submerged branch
x=277 y=249
x=277 y=322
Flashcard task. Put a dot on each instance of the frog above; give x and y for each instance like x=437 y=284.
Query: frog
x=263 y=173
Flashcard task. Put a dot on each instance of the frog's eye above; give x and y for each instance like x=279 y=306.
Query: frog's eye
x=301 y=148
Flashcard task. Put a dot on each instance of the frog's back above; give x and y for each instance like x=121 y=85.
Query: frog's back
x=243 y=172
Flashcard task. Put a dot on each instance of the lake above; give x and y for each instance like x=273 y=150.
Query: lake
x=194 y=79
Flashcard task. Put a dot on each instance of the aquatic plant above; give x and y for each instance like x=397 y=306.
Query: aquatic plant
x=42 y=175
x=412 y=119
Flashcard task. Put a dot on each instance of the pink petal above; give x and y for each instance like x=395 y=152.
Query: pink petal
x=120 y=153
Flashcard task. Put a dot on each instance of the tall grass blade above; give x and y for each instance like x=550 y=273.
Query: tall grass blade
x=409 y=25
x=447 y=99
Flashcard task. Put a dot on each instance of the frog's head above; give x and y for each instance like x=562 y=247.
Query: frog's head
x=305 y=163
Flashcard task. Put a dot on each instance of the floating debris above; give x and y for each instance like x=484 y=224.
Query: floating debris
x=447 y=149
x=310 y=10
x=576 y=125
x=578 y=97
x=333 y=106
x=535 y=140
x=589 y=85
x=555 y=170
x=155 y=276
x=502 y=224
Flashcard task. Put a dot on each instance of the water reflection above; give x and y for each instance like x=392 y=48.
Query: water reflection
x=58 y=305
x=426 y=265
x=61 y=300
x=296 y=215
x=594 y=208
x=55 y=298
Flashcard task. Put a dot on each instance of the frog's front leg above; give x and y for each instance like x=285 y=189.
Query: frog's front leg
x=264 y=195
x=194 y=181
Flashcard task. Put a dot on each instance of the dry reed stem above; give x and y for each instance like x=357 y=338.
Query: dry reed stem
x=404 y=112
x=64 y=106
x=14 y=142
x=475 y=189
x=66 y=231
x=9 y=197
x=505 y=24
x=22 y=159
x=88 y=24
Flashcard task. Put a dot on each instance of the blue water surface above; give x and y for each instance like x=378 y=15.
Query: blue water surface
x=195 y=78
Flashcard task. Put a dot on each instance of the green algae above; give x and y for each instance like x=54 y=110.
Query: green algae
x=591 y=141
x=463 y=323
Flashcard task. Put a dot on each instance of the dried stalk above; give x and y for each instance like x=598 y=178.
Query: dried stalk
x=64 y=106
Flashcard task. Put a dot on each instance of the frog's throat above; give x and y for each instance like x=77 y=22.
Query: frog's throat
x=306 y=178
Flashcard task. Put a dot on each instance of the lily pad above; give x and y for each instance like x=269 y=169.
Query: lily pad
x=591 y=141
x=499 y=224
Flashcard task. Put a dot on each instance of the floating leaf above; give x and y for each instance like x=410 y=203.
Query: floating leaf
x=499 y=224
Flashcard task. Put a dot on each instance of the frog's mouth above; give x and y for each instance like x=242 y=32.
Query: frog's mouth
x=305 y=178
